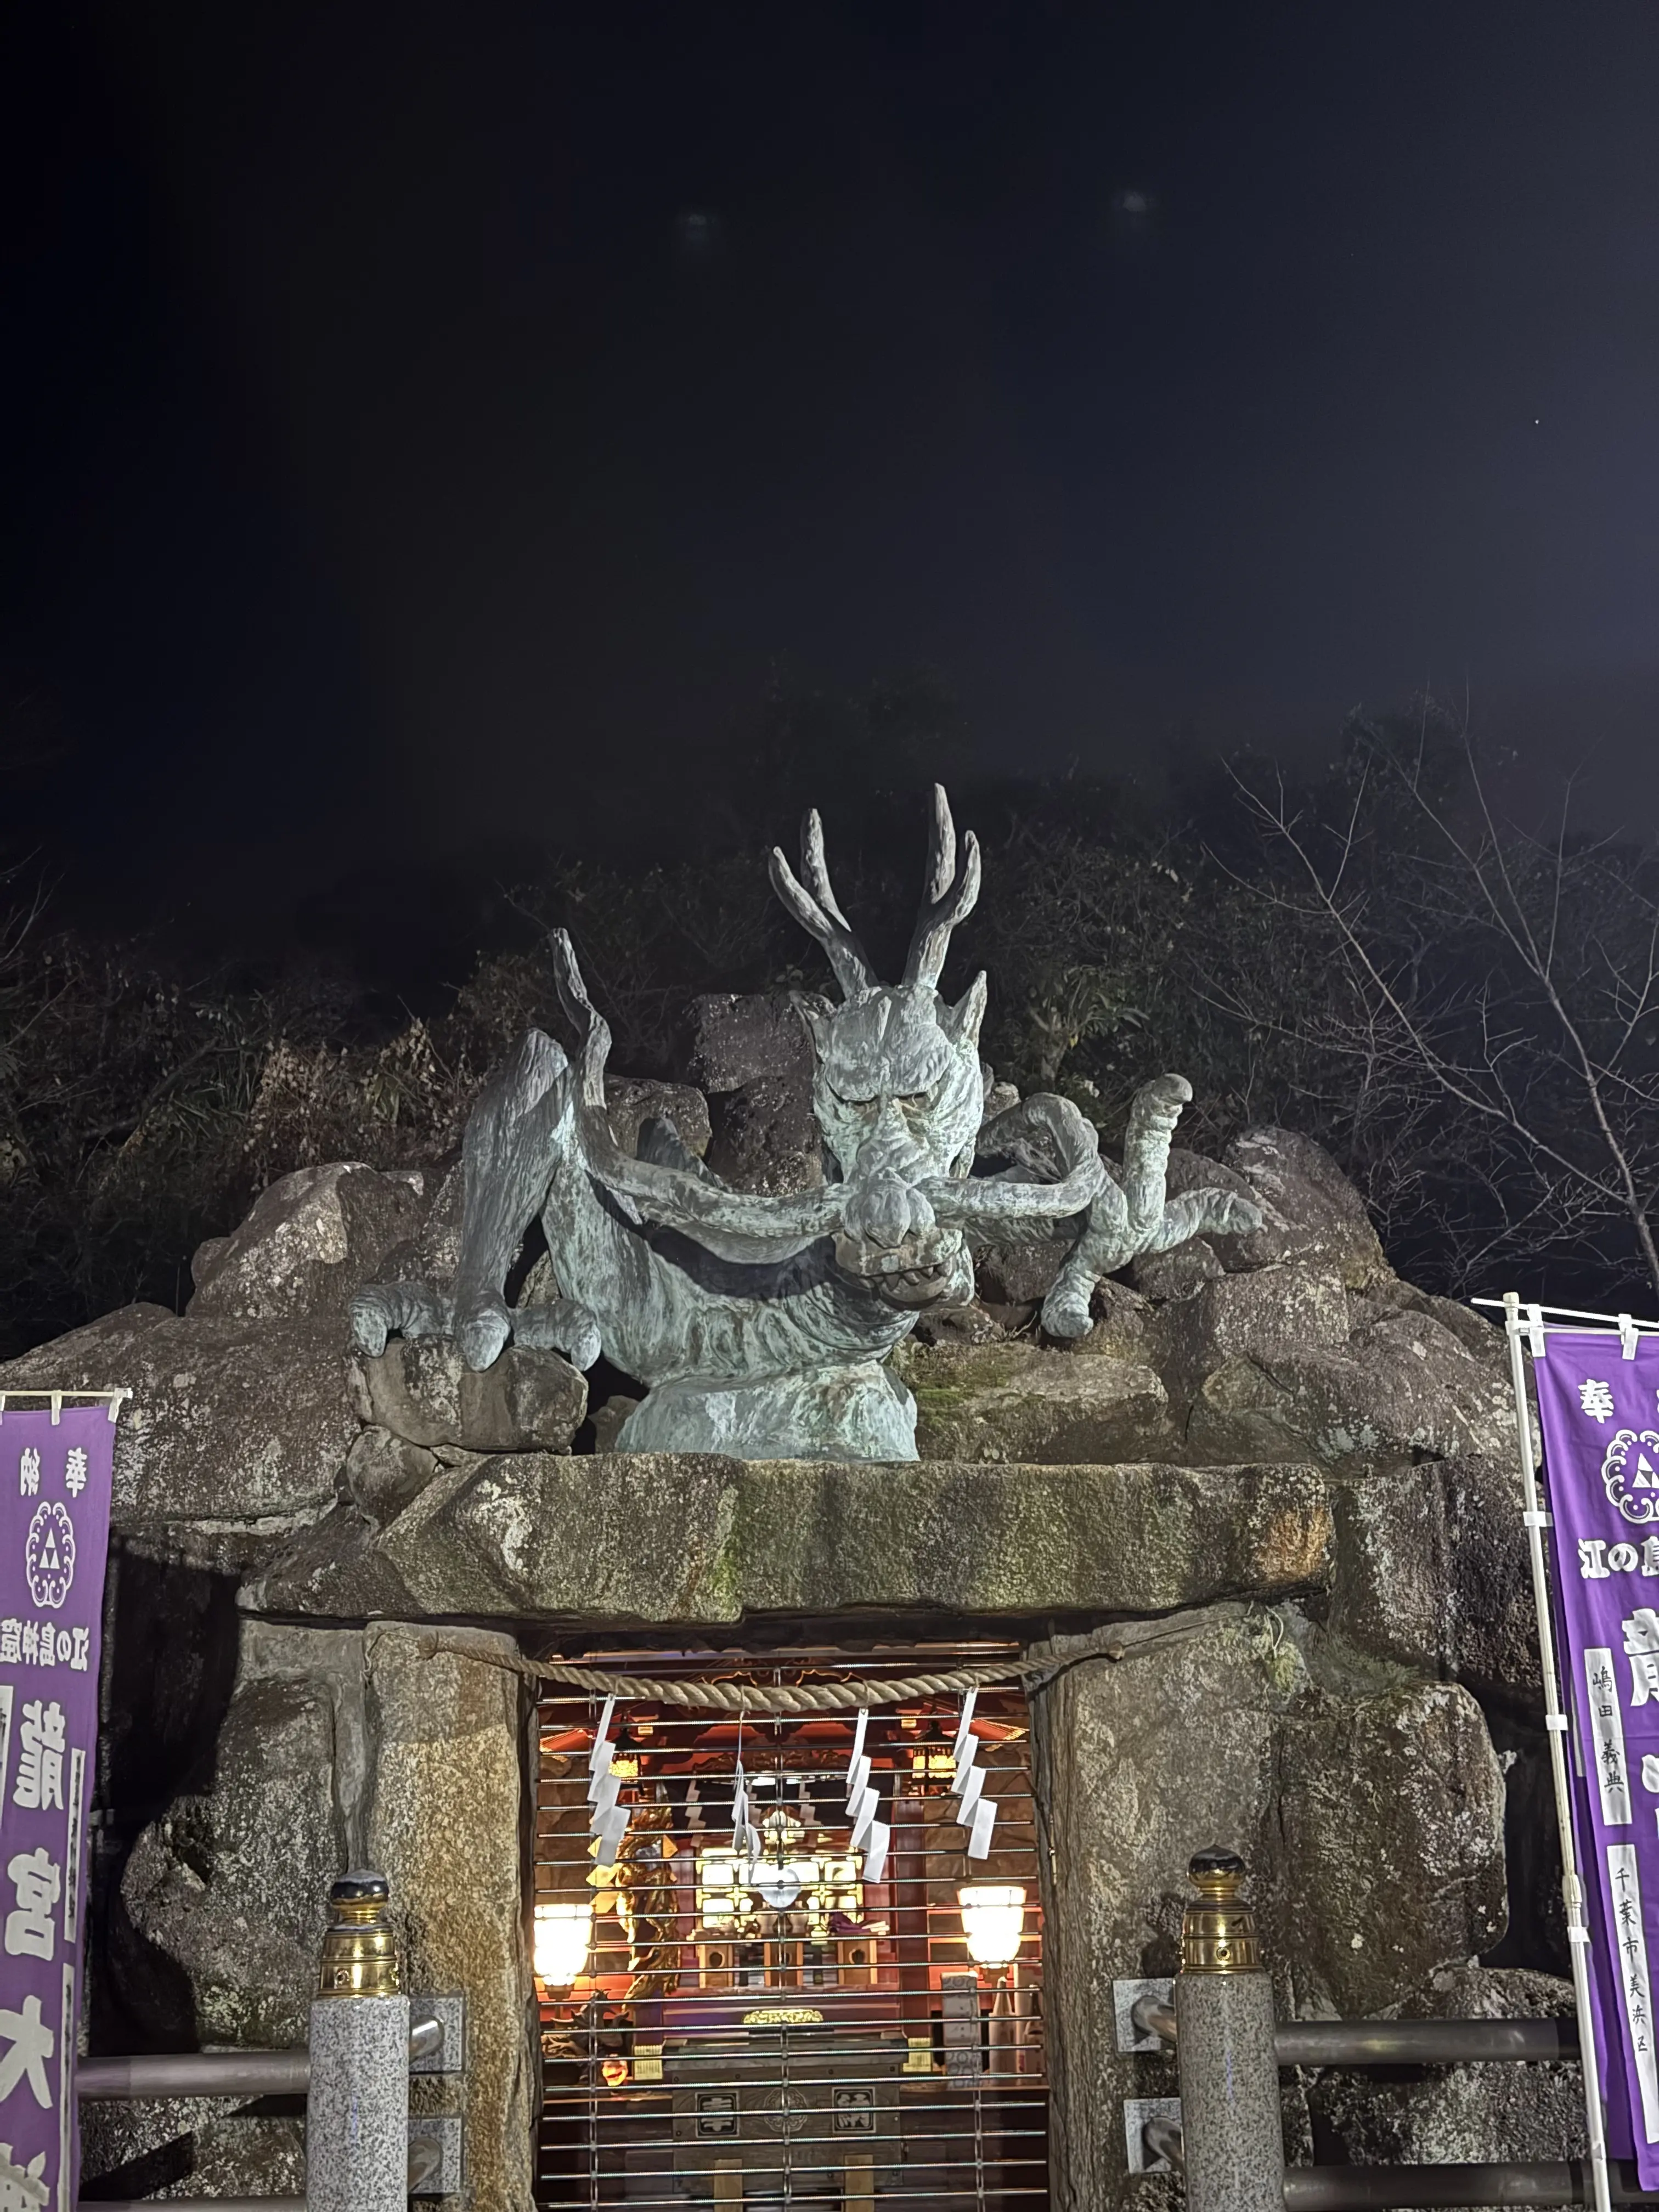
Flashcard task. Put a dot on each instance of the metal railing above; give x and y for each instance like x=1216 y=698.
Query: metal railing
x=1390 y=2042
x=367 y=2039
x=235 y=2072
x=1223 y=2134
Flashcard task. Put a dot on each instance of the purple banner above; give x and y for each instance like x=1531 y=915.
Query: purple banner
x=1599 y=1413
x=54 y=1535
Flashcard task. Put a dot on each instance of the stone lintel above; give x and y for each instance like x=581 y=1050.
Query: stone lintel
x=538 y=1538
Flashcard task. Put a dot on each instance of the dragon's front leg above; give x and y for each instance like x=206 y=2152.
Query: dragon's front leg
x=515 y=1144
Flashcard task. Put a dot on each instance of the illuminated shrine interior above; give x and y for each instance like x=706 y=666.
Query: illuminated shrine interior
x=823 y=2005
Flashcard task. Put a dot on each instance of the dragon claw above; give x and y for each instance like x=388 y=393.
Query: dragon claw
x=565 y=1326
x=370 y=1322
x=484 y=1334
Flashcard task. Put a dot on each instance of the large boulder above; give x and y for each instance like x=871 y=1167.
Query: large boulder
x=311 y=1241
x=1405 y=1386
x=423 y=1391
x=1017 y=1402
x=1391 y=1821
x=1314 y=1215
x=752 y=1056
x=235 y=1432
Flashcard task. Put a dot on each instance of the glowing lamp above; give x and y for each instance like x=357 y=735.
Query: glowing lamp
x=992 y=1920
x=562 y=1937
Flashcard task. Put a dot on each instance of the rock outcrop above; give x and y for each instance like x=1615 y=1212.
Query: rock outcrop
x=1298 y=1469
x=312 y=1238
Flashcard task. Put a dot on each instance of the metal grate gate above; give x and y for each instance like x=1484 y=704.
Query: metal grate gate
x=721 y=2027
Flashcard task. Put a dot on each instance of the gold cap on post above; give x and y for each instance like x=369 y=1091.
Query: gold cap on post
x=1218 y=1934
x=360 y=1952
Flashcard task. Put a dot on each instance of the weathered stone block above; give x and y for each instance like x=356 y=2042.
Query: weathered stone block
x=1019 y=1274
x=1458 y=2115
x=753 y=1057
x=1403 y=1388
x=1372 y=1824
x=1392 y=1819
x=1126 y=1326
x=1432 y=1572
x=1018 y=1402
x=229 y=1886
x=437 y=1252
x=691 y=1537
x=959 y=1325
x=311 y=1240
x=1140 y=1764
x=1274 y=1313
x=736 y=1037
x=384 y=1473
x=1177 y=1274
x=630 y=1100
x=421 y=1390
x=213 y=2146
x=235 y=1432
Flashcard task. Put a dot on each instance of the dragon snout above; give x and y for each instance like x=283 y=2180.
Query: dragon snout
x=890 y=1239
x=885 y=1210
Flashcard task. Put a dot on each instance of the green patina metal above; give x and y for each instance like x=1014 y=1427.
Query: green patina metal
x=763 y=1327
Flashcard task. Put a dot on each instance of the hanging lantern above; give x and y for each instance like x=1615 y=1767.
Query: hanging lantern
x=562 y=1935
x=993 y=1921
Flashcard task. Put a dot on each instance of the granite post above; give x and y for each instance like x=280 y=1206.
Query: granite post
x=357 y=2108
x=1233 y=2137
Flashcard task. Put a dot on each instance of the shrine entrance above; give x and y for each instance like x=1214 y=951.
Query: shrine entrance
x=766 y=1994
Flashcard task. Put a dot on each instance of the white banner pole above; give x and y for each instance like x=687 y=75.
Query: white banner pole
x=1555 y=1723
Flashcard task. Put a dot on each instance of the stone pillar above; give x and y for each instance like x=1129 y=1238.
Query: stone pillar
x=1233 y=2137
x=446 y=1822
x=1136 y=1762
x=357 y=2107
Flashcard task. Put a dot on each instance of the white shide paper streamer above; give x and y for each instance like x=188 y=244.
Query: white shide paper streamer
x=608 y=1820
x=985 y=1819
x=975 y=1811
x=875 y=1851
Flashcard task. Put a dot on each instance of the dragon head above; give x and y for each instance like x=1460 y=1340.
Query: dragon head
x=898 y=1089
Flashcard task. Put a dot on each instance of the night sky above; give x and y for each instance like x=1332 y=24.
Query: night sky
x=428 y=429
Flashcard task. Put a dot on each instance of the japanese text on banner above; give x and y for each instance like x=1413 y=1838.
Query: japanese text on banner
x=55 y=1476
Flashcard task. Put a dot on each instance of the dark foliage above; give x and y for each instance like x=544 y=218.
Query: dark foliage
x=1464 y=1014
